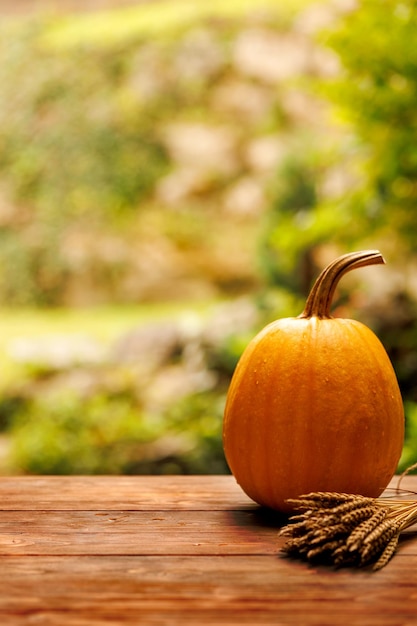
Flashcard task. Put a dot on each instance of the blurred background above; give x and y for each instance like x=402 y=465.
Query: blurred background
x=173 y=176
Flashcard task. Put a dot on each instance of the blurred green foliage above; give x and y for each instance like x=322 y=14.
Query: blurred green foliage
x=111 y=435
x=70 y=145
x=156 y=20
x=76 y=150
x=376 y=93
x=409 y=455
x=370 y=140
x=82 y=119
x=77 y=140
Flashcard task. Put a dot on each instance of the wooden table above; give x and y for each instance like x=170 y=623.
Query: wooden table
x=87 y=551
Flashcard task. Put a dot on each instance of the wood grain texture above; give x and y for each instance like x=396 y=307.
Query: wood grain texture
x=81 y=551
x=78 y=493
x=201 y=590
x=133 y=532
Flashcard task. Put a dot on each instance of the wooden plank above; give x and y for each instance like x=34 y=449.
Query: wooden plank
x=121 y=493
x=146 y=533
x=131 y=492
x=202 y=590
x=90 y=551
x=136 y=532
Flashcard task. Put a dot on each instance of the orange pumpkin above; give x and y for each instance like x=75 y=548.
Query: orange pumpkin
x=314 y=404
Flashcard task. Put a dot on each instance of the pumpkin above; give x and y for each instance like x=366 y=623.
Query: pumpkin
x=314 y=404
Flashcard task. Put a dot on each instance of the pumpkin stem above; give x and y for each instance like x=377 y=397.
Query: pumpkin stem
x=321 y=295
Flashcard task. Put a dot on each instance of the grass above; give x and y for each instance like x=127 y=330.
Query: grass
x=102 y=324
x=157 y=19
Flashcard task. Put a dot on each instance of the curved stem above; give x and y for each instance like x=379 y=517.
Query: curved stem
x=321 y=295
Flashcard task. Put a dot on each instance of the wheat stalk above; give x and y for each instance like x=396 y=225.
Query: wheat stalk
x=347 y=529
